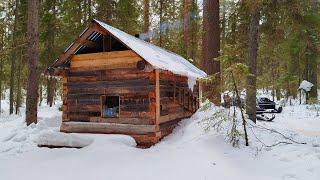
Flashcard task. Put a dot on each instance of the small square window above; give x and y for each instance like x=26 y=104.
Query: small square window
x=110 y=106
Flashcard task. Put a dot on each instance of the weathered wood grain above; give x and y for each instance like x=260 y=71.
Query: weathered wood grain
x=136 y=121
x=157 y=92
x=108 y=128
x=105 y=60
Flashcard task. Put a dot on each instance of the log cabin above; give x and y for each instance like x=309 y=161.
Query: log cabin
x=116 y=83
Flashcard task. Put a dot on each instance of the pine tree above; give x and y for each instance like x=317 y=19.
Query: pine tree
x=105 y=10
x=146 y=18
x=211 y=48
x=33 y=52
x=13 y=57
x=186 y=27
x=252 y=62
x=126 y=17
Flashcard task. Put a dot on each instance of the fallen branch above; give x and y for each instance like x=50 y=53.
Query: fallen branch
x=273 y=131
x=273 y=145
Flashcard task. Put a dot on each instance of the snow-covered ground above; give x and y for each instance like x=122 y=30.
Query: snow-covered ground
x=187 y=154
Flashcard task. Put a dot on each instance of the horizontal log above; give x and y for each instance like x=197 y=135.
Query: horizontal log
x=172 y=77
x=79 y=119
x=117 y=65
x=82 y=116
x=123 y=71
x=130 y=76
x=105 y=60
x=83 y=102
x=75 y=73
x=84 y=98
x=136 y=121
x=82 y=108
x=112 y=90
x=134 y=108
x=107 y=84
x=107 y=128
x=97 y=73
x=169 y=126
x=104 y=55
x=82 y=78
x=174 y=116
x=131 y=114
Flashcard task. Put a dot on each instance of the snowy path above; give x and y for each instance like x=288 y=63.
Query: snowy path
x=188 y=153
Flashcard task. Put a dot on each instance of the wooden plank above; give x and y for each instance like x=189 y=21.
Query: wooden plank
x=107 y=128
x=135 y=121
x=157 y=91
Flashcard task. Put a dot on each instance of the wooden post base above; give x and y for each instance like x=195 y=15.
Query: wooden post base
x=148 y=140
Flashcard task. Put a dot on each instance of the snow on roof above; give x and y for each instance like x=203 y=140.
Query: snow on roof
x=306 y=85
x=156 y=56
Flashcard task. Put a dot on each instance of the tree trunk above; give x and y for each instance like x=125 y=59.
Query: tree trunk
x=211 y=48
x=161 y=23
x=1 y=75
x=146 y=15
x=313 y=71
x=40 y=91
x=32 y=53
x=50 y=90
x=13 y=58
x=252 y=63
x=1 y=69
x=186 y=29
x=223 y=23
x=18 y=100
x=89 y=11
x=194 y=28
x=51 y=31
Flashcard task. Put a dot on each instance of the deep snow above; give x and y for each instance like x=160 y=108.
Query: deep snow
x=188 y=153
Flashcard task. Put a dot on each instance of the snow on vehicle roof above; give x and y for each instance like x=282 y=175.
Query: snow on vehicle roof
x=156 y=56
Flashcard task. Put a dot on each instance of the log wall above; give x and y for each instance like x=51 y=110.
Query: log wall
x=177 y=101
x=152 y=102
x=84 y=85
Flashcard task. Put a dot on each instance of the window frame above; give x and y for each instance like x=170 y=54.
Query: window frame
x=103 y=99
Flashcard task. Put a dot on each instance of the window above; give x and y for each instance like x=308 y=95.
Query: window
x=110 y=106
